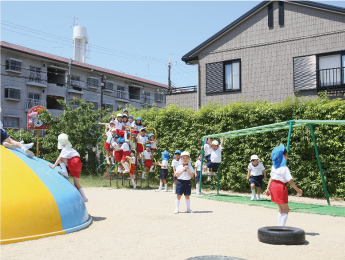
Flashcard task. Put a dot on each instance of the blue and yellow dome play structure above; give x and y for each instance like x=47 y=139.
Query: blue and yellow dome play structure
x=36 y=201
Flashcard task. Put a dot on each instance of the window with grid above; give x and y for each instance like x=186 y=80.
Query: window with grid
x=159 y=97
x=91 y=82
x=232 y=76
x=12 y=93
x=109 y=85
x=95 y=104
x=106 y=106
x=13 y=65
x=34 y=96
x=121 y=92
x=35 y=74
x=11 y=122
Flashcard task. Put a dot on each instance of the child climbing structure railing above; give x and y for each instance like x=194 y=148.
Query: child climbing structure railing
x=274 y=127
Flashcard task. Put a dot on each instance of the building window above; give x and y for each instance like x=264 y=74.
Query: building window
x=232 y=81
x=120 y=93
x=331 y=70
x=14 y=65
x=52 y=102
x=92 y=83
x=12 y=93
x=134 y=93
x=95 y=104
x=109 y=85
x=159 y=97
x=11 y=122
x=35 y=74
x=34 y=96
x=106 y=106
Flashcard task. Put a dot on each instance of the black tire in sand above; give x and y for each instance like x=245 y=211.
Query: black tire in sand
x=278 y=235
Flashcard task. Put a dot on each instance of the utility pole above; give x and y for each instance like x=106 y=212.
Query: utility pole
x=169 y=81
x=68 y=80
x=102 y=87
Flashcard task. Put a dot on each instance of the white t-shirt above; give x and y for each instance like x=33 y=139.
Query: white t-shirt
x=207 y=149
x=109 y=136
x=125 y=147
x=216 y=155
x=154 y=145
x=147 y=155
x=198 y=165
x=256 y=170
x=126 y=124
x=118 y=125
x=184 y=175
x=175 y=163
x=143 y=139
x=165 y=164
x=69 y=153
x=133 y=160
x=281 y=174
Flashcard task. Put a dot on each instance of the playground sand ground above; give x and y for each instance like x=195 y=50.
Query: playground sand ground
x=140 y=224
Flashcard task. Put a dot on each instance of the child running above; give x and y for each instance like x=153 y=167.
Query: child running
x=131 y=173
x=175 y=163
x=197 y=173
x=107 y=144
x=216 y=156
x=184 y=173
x=164 y=171
x=255 y=170
x=280 y=175
x=71 y=158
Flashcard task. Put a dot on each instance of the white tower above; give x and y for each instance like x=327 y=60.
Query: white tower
x=80 y=41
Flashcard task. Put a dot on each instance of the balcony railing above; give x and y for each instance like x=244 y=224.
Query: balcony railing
x=121 y=94
x=333 y=78
x=147 y=100
x=36 y=78
x=30 y=103
x=77 y=85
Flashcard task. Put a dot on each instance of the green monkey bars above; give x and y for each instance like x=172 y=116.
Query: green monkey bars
x=274 y=127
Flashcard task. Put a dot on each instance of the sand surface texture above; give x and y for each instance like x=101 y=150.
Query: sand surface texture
x=140 y=224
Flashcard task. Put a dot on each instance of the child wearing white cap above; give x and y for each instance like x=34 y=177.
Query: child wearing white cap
x=255 y=170
x=216 y=156
x=71 y=158
x=184 y=172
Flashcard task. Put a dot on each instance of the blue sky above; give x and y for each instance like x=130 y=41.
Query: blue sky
x=136 y=38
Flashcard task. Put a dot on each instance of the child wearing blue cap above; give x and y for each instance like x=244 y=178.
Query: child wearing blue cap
x=164 y=171
x=280 y=175
x=136 y=126
x=175 y=163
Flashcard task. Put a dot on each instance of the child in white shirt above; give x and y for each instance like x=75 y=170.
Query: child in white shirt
x=107 y=145
x=71 y=158
x=142 y=140
x=131 y=173
x=184 y=173
x=197 y=173
x=255 y=170
x=216 y=156
x=175 y=163
x=148 y=162
x=164 y=171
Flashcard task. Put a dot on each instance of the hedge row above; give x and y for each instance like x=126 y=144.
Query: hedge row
x=183 y=129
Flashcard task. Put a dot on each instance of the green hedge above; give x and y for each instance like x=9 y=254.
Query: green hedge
x=184 y=128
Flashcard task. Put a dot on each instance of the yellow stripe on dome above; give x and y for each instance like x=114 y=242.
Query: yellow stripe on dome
x=28 y=209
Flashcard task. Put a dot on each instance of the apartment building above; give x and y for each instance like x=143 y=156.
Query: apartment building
x=30 y=78
x=276 y=50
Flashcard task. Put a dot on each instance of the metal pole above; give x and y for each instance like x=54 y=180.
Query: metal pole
x=68 y=80
x=169 y=82
x=38 y=136
x=319 y=162
x=289 y=137
x=218 y=178
x=201 y=168
x=102 y=87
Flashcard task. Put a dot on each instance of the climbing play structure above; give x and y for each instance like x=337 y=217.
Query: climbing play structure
x=36 y=201
x=111 y=171
x=274 y=127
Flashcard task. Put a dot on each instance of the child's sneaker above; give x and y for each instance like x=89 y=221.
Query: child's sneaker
x=29 y=153
x=166 y=190
x=65 y=174
x=28 y=146
x=8 y=145
x=253 y=197
x=158 y=190
x=176 y=211
x=134 y=186
x=189 y=211
x=258 y=197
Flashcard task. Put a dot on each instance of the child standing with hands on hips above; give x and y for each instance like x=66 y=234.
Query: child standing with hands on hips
x=71 y=158
x=255 y=170
x=280 y=175
x=175 y=163
x=184 y=173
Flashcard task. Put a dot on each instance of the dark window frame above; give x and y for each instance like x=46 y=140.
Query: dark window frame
x=12 y=65
x=270 y=16
x=7 y=94
x=240 y=78
x=5 y=121
x=281 y=12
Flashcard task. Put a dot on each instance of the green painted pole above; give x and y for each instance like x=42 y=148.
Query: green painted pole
x=220 y=165
x=202 y=163
x=289 y=137
x=319 y=162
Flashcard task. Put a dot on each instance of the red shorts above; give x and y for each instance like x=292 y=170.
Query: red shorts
x=148 y=163
x=124 y=154
x=107 y=147
x=140 y=148
x=134 y=132
x=279 y=192
x=132 y=168
x=153 y=150
x=74 y=166
x=118 y=155
x=120 y=132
